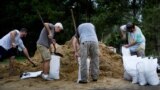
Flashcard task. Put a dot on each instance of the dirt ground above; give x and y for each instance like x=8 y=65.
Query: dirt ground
x=111 y=73
x=15 y=83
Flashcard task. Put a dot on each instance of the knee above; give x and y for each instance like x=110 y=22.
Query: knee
x=12 y=57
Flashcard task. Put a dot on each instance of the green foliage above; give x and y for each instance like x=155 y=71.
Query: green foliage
x=151 y=28
x=107 y=17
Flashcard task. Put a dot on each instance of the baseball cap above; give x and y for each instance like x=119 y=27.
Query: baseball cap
x=129 y=25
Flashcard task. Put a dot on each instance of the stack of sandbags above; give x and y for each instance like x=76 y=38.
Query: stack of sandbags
x=140 y=70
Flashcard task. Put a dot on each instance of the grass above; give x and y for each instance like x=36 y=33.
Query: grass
x=18 y=58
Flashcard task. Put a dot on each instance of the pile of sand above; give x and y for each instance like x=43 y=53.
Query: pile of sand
x=110 y=63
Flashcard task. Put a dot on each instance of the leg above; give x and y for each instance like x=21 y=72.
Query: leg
x=46 y=68
x=11 y=53
x=94 y=50
x=141 y=53
x=3 y=53
x=133 y=53
x=84 y=55
x=46 y=61
x=11 y=67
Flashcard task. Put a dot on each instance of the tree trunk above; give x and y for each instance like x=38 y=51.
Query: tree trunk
x=134 y=8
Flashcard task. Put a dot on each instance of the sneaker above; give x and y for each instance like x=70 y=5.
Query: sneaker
x=46 y=77
x=94 y=80
x=1 y=77
x=82 y=82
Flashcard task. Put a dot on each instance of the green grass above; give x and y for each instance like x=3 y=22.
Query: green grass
x=18 y=58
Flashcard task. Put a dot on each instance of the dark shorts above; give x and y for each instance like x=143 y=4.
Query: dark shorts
x=7 y=53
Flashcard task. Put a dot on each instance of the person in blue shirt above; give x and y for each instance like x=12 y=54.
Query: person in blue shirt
x=136 y=39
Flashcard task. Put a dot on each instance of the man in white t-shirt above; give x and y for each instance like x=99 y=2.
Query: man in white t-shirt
x=136 y=39
x=8 y=46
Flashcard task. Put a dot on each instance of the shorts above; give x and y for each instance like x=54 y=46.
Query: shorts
x=44 y=51
x=7 y=53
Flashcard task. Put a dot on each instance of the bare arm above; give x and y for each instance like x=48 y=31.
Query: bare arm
x=13 y=35
x=75 y=46
x=123 y=35
x=25 y=51
x=46 y=25
x=131 y=44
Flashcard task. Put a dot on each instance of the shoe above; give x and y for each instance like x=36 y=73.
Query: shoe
x=82 y=82
x=1 y=77
x=94 y=80
x=46 y=77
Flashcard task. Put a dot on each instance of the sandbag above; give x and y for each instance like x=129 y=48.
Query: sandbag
x=129 y=63
x=141 y=73
x=26 y=75
x=141 y=70
x=79 y=68
x=150 y=67
x=125 y=51
x=54 y=67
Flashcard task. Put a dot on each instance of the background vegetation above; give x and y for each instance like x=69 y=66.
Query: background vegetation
x=107 y=15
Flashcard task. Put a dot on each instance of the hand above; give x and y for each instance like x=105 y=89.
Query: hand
x=127 y=46
x=33 y=64
x=53 y=41
x=13 y=45
x=76 y=55
x=50 y=36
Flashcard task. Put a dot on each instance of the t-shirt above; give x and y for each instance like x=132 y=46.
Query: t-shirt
x=5 y=41
x=43 y=38
x=137 y=37
x=86 y=32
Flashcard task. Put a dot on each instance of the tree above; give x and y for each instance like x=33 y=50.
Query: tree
x=151 y=19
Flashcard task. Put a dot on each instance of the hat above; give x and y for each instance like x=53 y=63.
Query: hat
x=129 y=25
x=58 y=24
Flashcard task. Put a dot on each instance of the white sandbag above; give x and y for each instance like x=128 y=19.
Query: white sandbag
x=26 y=75
x=79 y=68
x=141 y=73
x=153 y=78
x=142 y=70
x=54 y=67
x=125 y=51
x=151 y=71
x=130 y=63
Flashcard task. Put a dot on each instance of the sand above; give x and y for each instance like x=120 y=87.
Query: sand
x=110 y=63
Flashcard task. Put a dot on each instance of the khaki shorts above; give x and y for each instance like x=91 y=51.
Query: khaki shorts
x=45 y=53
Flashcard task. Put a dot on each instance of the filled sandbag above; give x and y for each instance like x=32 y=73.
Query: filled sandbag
x=125 y=51
x=150 y=67
x=130 y=63
x=141 y=73
x=54 y=67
